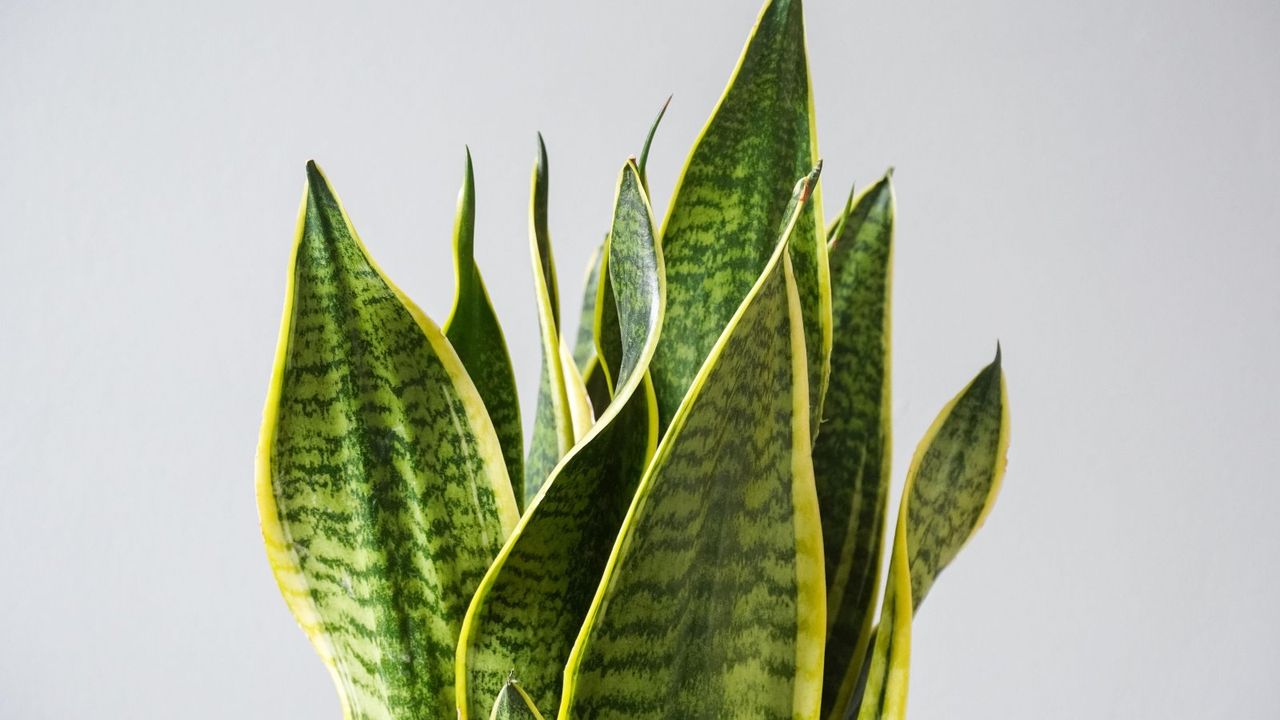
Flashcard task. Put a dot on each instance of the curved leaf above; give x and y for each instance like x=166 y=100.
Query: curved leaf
x=382 y=490
x=476 y=335
x=730 y=201
x=513 y=703
x=712 y=604
x=643 y=163
x=584 y=345
x=530 y=606
x=951 y=486
x=851 y=455
x=563 y=411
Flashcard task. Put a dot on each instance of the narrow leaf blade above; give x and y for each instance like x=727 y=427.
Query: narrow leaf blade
x=712 y=604
x=475 y=333
x=513 y=703
x=561 y=396
x=730 y=201
x=382 y=490
x=852 y=453
x=951 y=486
x=530 y=606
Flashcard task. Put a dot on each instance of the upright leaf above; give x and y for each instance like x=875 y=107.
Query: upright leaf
x=382 y=490
x=851 y=455
x=513 y=703
x=476 y=335
x=642 y=165
x=563 y=411
x=731 y=199
x=712 y=604
x=527 y=612
x=951 y=486
x=584 y=345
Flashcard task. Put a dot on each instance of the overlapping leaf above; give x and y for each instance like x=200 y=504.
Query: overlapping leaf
x=951 y=486
x=476 y=335
x=527 y=612
x=720 y=229
x=713 y=605
x=513 y=703
x=851 y=454
x=382 y=489
x=563 y=412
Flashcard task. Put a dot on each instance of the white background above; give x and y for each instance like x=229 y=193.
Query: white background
x=1096 y=184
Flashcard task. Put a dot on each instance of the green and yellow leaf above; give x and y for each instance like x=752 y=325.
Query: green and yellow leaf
x=584 y=345
x=382 y=489
x=476 y=335
x=712 y=604
x=513 y=703
x=851 y=454
x=563 y=412
x=730 y=202
x=951 y=486
x=531 y=604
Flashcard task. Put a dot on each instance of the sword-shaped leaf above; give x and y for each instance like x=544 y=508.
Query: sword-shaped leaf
x=642 y=165
x=382 y=489
x=851 y=455
x=721 y=226
x=514 y=703
x=563 y=411
x=531 y=604
x=712 y=604
x=951 y=486
x=476 y=335
x=584 y=345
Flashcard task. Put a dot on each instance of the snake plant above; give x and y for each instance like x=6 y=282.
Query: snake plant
x=695 y=528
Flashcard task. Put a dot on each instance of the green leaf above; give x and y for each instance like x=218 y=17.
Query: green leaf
x=382 y=490
x=643 y=162
x=730 y=202
x=608 y=327
x=476 y=335
x=851 y=455
x=951 y=486
x=514 y=703
x=712 y=604
x=563 y=412
x=531 y=604
x=584 y=346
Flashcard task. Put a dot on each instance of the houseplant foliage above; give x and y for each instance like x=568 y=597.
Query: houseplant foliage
x=696 y=526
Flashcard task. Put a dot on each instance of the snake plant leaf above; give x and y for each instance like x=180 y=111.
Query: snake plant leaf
x=608 y=328
x=643 y=162
x=513 y=703
x=951 y=486
x=531 y=604
x=851 y=455
x=473 y=329
x=563 y=411
x=730 y=200
x=381 y=485
x=712 y=603
x=584 y=345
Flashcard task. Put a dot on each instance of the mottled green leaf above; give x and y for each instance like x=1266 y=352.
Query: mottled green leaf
x=712 y=604
x=951 y=486
x=730 y=201
x=851 y=455
x=476 y=335
x=382 y=490
x=513 y=703
x=532 y=602
x=584 y=345
x=563 y=411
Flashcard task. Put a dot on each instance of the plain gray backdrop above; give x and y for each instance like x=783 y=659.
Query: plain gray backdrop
x=1096 y=184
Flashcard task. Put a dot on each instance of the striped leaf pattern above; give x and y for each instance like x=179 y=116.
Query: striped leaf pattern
x=851 y=455
x=382 y=489
x=513 y=703
x=563 y=411
x=951 y=486
x=476 y=335
x=584 y=345
x=730 y=201
x=712 y=605
x=530 y=606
